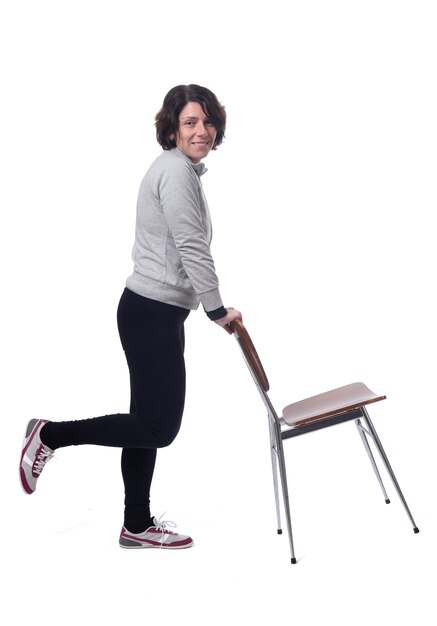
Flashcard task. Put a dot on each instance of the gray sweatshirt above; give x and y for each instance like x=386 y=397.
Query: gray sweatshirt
x=171 y=253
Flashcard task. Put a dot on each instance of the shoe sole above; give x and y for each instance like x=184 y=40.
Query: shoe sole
x=161 y=547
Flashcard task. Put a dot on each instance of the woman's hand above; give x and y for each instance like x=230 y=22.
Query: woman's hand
x=232 y=315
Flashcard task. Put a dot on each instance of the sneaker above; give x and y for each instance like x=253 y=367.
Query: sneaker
x=34 y=456
x=156 y=536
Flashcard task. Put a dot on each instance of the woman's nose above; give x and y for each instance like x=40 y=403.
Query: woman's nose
x=201 y=129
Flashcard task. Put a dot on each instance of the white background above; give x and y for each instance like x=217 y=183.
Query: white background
x=322 y=198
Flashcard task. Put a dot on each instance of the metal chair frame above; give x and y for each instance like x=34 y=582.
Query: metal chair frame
x=347 y=403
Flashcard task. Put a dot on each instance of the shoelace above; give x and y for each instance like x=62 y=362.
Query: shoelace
x=42 y=457
x=162 y=525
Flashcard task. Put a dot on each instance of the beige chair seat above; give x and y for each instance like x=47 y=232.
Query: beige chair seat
x=329 y=403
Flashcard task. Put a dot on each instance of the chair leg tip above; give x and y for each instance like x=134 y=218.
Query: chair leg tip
x=387 y=501
x=293 y=560
x=279 y=531
x=416 y=530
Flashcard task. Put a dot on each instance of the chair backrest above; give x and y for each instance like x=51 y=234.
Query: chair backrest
x=250 y=354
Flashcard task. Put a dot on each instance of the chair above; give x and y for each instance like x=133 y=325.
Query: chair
x=325 y=409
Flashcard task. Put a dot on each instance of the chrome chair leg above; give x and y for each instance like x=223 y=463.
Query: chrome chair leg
x=283 y=475
x=386 y=462
x=362 y=432
x=274 y=455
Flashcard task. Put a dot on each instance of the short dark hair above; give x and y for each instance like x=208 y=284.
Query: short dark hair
x=167 y=118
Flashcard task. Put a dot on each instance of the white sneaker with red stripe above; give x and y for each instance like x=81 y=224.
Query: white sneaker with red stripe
x=156 y=536
x=34 y=455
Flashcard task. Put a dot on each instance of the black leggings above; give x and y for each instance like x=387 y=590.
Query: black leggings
x=152 y=336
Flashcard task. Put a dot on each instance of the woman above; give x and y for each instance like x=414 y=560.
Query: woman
x=173 y=273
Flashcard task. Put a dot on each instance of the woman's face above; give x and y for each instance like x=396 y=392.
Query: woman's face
x=196 y=134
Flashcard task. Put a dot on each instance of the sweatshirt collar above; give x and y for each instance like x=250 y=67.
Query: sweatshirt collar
x=199 y=168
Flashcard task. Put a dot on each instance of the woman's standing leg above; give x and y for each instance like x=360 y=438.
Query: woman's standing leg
x=152 y=335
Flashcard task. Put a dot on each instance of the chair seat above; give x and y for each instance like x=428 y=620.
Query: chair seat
x=327 y=404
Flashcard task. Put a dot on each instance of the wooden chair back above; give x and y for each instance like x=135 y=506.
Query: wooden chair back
x=250 y=354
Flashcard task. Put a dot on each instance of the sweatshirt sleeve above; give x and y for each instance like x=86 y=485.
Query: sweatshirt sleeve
x=182 y=204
